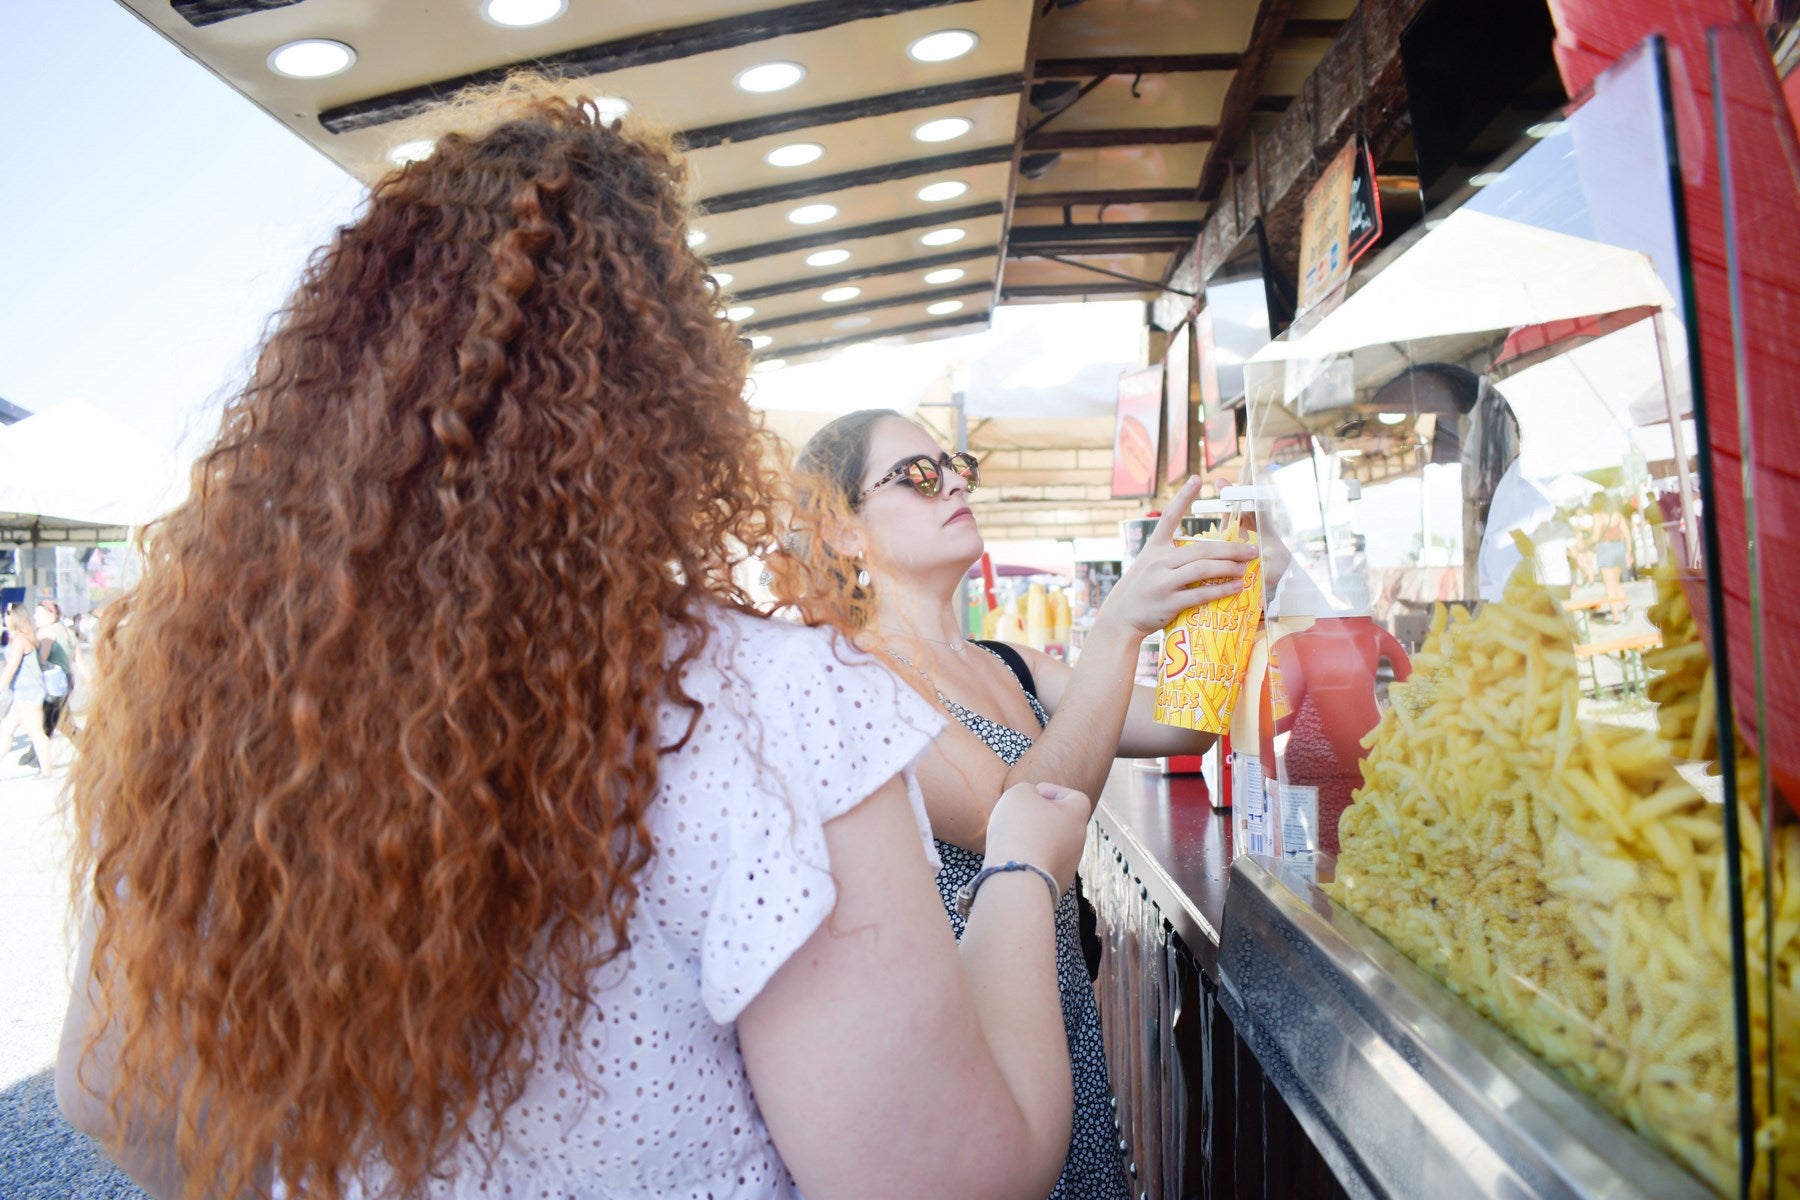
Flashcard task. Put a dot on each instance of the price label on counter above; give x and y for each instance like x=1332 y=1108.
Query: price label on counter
x=1299 y=822
x=1250 y=806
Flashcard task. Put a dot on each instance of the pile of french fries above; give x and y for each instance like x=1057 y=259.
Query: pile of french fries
x=1563 y=877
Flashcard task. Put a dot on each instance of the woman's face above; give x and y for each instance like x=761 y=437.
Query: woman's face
x=907 y=532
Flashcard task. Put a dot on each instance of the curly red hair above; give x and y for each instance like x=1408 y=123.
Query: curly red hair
x=374 y=739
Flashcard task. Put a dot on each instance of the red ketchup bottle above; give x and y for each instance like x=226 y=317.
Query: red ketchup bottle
x=1325 y=668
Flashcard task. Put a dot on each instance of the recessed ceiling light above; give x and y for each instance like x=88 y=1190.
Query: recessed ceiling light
x=1544 y=129
x=944 y=307
x=407 y=152
x=947 y=275
x=696 y=236
x=943 y=45
x=1486 y=178
x=313 y=58
x=759 y=340
x=812 y=214
x=769 y=364
x=517 y=14
x=943 y=129
x=1390 y=418
x=796 y=155
x=741 y=312
x=949 y=189
x=943 y=237
x=827 y=258
x=610 y=108
x=723 y=279
x=856 y=322
x=770 y=77
x=839 y=294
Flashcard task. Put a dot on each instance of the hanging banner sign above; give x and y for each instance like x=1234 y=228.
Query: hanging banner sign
x=1137 y=433
x=1340 y=220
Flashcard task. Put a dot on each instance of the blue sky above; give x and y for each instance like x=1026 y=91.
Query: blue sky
x=148 y=227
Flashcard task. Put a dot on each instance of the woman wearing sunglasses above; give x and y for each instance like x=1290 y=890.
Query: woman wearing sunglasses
x=598 y=883
x=891 y=538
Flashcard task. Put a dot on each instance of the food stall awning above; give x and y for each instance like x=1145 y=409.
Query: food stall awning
x=1477 y=273
x=970 y=152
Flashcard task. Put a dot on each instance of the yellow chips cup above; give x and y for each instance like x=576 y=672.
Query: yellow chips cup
x=1206 y=650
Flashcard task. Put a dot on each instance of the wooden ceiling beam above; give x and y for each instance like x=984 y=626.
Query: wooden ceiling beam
x=1044 y=291
x=1025 y=237
x=662 y=45
x=1093 y=249
x=201 y=13
x=1100 y=139
x=1104 y=196
x=858 y=274
x=828 y=237
x=821 y=185
x=1132 y=64
x=886 y=104
x=1312 y=27
x=1240 y=97
x=848 y=310
x=971 y=319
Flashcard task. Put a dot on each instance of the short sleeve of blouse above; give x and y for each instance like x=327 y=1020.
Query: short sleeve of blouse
x=833 y=726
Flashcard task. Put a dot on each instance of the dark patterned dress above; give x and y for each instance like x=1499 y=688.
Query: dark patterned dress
x=1093 y=1170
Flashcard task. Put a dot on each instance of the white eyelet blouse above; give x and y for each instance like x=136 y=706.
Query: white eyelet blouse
x=797 y=729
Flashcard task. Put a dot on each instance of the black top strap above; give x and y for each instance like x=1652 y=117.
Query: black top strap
x=1016 y=661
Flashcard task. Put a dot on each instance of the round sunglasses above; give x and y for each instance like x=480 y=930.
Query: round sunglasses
x=926 y=474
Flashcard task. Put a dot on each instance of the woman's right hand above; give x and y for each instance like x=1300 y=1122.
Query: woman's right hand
x=1161 y=581
x=1043 y=824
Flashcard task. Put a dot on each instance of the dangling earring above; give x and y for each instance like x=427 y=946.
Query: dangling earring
x=862 y=574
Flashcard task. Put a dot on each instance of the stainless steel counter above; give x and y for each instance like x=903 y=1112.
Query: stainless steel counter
x=1402 y=1089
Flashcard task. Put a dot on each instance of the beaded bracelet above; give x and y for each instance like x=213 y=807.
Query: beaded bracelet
x=965 y=895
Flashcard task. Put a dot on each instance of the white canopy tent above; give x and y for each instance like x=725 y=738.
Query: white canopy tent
x=76 y=464
x=75 y=476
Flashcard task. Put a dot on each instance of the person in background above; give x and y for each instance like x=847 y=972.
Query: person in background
x=1612 y=551
x=62 y=652
x=22 y=674
x=595 y=881
x=888 y=537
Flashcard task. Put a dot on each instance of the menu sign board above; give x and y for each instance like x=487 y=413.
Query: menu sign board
x=1137 y=429
x=1340 y=219
x=1179 y=382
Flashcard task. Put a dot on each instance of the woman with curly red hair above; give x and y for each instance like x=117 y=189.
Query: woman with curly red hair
x=588 y=881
